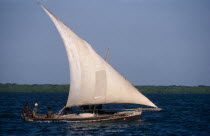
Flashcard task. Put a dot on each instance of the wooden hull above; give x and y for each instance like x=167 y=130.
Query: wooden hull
x=118 y=116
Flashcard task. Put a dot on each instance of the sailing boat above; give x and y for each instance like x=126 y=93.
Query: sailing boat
x=93 y=82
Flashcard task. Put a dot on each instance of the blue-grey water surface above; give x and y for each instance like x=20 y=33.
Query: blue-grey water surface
x=182 y=114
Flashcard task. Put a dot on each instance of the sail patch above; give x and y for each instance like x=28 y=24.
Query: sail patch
x=100 y=84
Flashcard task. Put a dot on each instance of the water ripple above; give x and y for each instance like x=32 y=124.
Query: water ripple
x=182 y=114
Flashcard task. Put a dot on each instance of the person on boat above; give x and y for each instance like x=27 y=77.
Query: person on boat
x=49 y=113
x=66 y=111
x=99 y=108
x=35 y=110
x=26 y=112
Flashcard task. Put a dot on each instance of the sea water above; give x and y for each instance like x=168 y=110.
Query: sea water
x=181 y=114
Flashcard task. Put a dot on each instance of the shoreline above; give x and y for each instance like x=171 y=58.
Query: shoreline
x=65 y=88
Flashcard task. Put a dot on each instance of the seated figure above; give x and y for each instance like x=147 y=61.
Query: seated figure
x=49 y=113
x=26 y=112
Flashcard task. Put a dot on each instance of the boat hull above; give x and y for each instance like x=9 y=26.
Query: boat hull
x=119 y=116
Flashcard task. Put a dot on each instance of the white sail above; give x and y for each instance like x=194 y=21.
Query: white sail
x=92 y=79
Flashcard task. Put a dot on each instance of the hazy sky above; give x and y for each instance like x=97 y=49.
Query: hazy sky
x=152 y=42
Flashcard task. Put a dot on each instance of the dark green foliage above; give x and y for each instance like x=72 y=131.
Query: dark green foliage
x=33 y=88
x=174 y=89
x=65 y=88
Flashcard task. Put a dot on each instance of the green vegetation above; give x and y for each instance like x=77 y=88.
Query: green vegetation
x=174 y=89
x=65 y=88
x=33 y=88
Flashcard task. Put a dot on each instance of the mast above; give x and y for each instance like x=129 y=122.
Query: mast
x=107 y=54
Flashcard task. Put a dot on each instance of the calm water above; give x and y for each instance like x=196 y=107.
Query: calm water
x=182 y=114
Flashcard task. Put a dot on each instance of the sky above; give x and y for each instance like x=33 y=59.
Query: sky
x=152 y=42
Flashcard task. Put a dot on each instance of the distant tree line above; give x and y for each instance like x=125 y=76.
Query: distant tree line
x=174 y=89
x=65 y=88
x=33 y=88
